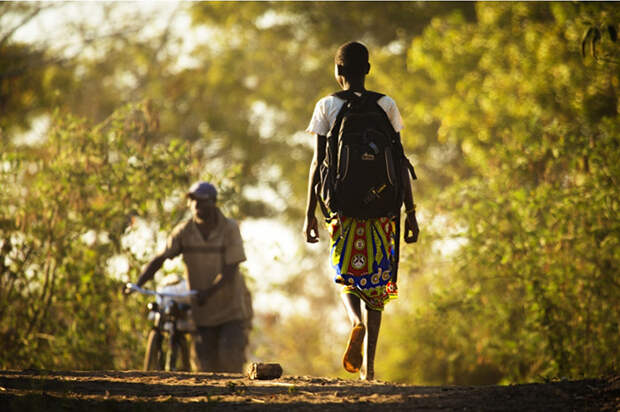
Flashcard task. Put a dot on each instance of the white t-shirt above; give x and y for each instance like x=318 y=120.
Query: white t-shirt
x=326 y=111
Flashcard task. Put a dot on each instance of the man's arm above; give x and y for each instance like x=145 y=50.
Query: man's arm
x=173 y=249
x=311 y=228
x=149 y=272
x=228 y=273
x=151 y=268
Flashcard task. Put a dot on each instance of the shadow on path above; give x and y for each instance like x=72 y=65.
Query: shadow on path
x=31 y=390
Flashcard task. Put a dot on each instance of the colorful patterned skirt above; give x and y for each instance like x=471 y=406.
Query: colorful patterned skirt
x=361 y=252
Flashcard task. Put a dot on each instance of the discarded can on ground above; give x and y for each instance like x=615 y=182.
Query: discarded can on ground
x=264 y=371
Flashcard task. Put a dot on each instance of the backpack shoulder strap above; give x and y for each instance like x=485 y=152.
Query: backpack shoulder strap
x=346 y=95
x=411 y=169
x=373 y=96
x=349 y=95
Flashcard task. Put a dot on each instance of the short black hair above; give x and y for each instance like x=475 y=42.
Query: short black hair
x=353 y=57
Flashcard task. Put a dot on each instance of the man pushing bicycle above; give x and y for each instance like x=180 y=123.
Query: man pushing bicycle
x=211 y=247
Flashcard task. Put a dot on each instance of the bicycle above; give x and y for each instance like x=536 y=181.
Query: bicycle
x=167 y=313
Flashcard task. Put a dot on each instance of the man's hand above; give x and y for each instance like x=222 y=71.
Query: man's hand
x=127 y=290
x=411 y=228
x=311 y=229
x=202 y=296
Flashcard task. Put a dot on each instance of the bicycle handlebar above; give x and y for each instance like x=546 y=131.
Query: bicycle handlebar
x=134 y=287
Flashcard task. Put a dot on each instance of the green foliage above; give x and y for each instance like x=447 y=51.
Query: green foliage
x=31 y=78
x=65 y=206
x=533 y=292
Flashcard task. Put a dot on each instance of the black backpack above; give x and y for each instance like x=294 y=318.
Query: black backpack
x=361 y=174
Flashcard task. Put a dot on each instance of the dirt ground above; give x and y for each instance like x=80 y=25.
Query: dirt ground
x=36 y=390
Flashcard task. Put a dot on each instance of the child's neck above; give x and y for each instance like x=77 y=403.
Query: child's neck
x=354 y=85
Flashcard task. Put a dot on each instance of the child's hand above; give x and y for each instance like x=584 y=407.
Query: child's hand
x=411 y=228
x=311 y=229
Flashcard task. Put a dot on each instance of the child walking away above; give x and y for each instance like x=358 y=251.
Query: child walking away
x=360 y=177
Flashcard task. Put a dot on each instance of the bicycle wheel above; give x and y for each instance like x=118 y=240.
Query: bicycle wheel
x=153 y=357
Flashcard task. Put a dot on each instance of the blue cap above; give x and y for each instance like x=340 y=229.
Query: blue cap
x=203 y=190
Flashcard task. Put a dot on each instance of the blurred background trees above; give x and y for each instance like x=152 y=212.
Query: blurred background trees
x=511 y=115
x=536 y=125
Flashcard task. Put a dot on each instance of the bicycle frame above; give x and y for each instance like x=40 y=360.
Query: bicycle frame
x=165 y=313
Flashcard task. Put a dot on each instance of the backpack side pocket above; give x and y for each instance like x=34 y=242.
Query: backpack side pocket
x=389 y=167
x=343 y=162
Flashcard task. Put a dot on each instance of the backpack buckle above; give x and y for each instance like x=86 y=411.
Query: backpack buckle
x=374 y=194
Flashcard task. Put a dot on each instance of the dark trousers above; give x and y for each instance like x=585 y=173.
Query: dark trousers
x=221 y=348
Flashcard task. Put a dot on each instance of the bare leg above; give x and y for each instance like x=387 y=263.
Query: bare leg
x=352 y=359
x=353 y=307
x=373 y=324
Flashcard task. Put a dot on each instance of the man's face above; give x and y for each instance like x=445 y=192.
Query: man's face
x=202 y=209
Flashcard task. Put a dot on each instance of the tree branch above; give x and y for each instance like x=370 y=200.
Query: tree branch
x=48 y=285
x=38 y=9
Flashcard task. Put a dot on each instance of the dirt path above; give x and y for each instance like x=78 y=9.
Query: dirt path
x=30 y=390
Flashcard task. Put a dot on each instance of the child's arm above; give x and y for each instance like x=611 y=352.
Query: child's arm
x=409 y=205
x=311 y=228
x=411 y=223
